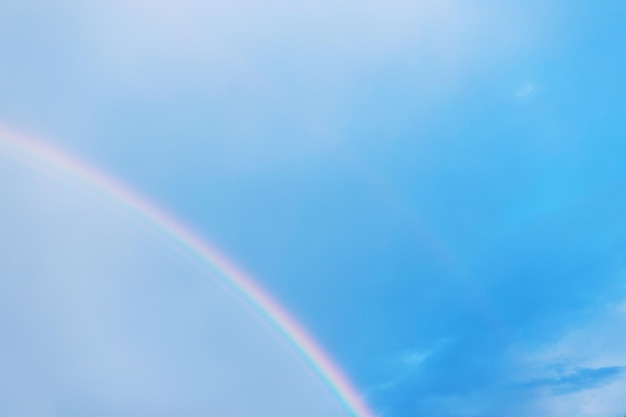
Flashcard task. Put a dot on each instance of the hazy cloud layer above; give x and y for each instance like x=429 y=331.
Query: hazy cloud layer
x=578 y=379
x=99 y=318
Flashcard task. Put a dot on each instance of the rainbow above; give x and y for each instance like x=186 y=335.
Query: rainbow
x=39 y=155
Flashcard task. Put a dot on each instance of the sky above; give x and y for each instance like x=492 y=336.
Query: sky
x=432 y=188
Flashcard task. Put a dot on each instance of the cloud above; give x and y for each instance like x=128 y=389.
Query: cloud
x=252 y=85
x=99 y=318
x=415 y=357
x=140 y=31
x=580 y=372
x=525 y=91
x=578 y=379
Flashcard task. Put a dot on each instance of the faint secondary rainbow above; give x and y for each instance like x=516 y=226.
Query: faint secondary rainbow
x=38 y=154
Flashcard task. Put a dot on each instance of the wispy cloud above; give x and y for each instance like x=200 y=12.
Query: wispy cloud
x=407 y=363
x=525 y=91
x=578 y=380
x=412 y=358
x=582 y=372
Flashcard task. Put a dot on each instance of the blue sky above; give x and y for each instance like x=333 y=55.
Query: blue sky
x=432 y=187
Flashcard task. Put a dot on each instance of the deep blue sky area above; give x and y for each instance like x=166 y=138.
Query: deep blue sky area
x=433 y=188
